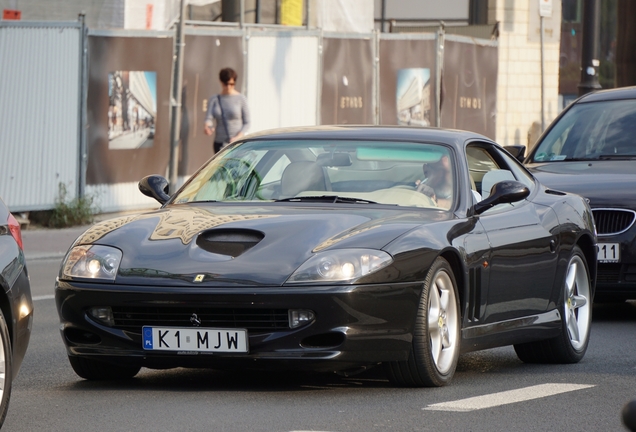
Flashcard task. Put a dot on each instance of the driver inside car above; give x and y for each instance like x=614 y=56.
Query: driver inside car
x=437 y=182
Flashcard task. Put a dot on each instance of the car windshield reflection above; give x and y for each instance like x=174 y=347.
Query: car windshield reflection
x=592 y=131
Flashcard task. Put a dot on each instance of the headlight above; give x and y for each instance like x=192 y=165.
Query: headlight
x=92 y=262
x=340 y=265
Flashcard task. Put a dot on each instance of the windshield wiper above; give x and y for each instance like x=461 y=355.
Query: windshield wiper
x=616 y=156
x=326 y=198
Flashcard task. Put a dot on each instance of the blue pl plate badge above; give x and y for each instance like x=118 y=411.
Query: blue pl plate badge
x=147 y=338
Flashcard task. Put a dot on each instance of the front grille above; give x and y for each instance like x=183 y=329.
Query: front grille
x=254 y=320
x=613 y=221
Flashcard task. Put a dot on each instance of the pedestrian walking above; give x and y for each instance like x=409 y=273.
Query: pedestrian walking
x=228 y=115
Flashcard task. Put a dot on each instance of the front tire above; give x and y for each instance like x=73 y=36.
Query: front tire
x=435 y=351
x=98 y=370
x=576 y=316
x=6 y=368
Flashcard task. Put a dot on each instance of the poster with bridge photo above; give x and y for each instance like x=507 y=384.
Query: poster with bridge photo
x=132 y=109
x=413 y=96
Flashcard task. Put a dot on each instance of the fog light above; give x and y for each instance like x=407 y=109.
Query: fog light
x=104 y=314
x=300 y=317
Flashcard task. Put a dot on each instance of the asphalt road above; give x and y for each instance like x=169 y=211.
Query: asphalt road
x=589 y=396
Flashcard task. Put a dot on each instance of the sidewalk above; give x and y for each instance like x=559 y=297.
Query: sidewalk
x=45 y=243
x=41 y=243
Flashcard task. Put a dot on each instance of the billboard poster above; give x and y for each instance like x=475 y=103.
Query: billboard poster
x=128 y=108
x=407 y=81
x=205 y=56
x=469 y=87
x=413 y=96
x=132 y=109
x=347 y=81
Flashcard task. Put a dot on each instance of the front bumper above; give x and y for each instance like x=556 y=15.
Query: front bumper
x=618 y=280
x=354 y=325
x=22 y=316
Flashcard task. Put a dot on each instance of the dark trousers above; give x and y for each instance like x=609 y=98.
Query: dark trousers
x=217 y=146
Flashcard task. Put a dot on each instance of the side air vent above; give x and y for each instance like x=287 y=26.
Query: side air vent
x=555 y=192
x=613 y=221
x=230 y=242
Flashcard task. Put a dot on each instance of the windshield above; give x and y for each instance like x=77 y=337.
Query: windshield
x=595 y=130
x=358 y=172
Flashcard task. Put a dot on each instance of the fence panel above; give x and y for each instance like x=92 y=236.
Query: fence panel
x=347 y=80
x=469 y=85
x=39 y=112
x=128 y=114
x=408 y=75
x=282 y=79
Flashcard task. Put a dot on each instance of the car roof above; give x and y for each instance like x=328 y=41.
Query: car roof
x=375 y=133
x=611 y=94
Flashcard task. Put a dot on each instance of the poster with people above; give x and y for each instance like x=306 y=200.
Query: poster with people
x=132 y=109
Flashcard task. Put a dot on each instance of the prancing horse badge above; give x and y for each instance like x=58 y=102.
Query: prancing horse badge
x=198 y=278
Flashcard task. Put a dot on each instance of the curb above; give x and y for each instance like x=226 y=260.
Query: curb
x=44 y=256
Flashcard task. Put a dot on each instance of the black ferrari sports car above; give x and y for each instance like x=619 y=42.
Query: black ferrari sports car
x=590 y=150
x=335 y=249
x=16 y=305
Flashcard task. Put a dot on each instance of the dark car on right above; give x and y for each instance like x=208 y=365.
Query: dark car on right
x=590 y=150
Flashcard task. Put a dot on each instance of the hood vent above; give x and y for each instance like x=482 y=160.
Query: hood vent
x=229 y=242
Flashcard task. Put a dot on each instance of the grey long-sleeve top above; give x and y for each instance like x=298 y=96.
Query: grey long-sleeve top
x=235 y=111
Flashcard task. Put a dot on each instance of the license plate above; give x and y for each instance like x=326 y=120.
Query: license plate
x=609 y=252
x=195 y=339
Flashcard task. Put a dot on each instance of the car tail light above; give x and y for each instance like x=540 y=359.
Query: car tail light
x=14 y=228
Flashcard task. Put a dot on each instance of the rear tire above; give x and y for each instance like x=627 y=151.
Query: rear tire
x=435 y=351
x=576 y=316
x=98 y=370
x=6 y=368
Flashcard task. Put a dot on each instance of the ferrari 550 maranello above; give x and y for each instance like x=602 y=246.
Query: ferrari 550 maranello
x=335 y=249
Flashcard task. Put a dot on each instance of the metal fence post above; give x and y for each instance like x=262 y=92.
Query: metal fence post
x=175 y=102
x=376 y=77
x=319 y=74
x=83 y=92
x=439 y=68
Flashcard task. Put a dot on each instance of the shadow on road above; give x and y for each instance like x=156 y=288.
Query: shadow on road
x=623 y=311
x=188 y=380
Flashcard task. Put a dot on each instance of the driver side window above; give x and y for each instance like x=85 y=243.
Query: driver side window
x=488 y=165
x=479 y=164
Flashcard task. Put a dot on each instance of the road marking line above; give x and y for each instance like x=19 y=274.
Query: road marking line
x=44 y=297
x=506 y=397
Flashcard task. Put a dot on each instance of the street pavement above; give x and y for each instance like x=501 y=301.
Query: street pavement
x=46 y=243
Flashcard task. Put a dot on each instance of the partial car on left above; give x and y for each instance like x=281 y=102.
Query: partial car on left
x=16 y=305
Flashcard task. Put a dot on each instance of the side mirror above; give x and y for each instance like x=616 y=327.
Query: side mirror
x=504 y=192
x=155 y=186
x=517 y=151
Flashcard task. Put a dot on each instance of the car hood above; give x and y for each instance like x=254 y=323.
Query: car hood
x=181 y=242
x=604 y=183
